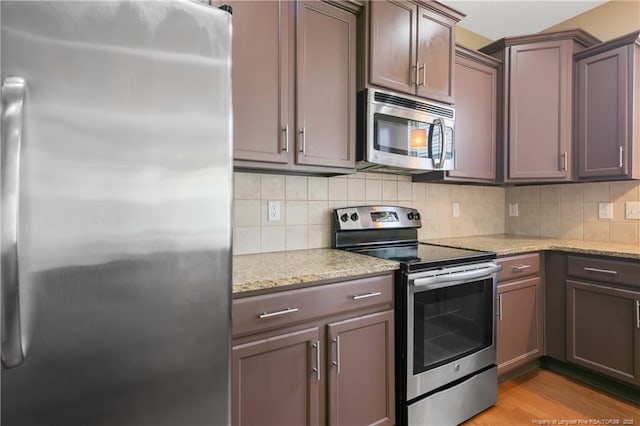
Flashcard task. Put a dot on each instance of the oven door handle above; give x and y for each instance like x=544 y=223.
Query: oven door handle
x=444 y=280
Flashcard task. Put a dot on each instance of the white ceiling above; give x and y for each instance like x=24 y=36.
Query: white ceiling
x=495 y=19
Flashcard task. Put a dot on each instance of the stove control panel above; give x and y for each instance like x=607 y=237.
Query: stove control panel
x=376 y=217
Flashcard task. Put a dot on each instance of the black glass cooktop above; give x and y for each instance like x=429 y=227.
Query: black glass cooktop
x=415 y=257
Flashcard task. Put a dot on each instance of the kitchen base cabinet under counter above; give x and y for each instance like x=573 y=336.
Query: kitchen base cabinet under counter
x=519 y=321
x=315 y=356
x=603 y=316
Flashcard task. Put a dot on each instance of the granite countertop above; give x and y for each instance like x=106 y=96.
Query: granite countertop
x=253 y=273
x=504 y=245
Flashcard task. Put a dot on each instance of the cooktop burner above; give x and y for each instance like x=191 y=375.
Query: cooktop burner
x=422 y=256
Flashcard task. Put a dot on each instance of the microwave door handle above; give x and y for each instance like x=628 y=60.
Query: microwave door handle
x=443 y=140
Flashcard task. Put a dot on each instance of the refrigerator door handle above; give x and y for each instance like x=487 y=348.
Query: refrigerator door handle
x=13 y=89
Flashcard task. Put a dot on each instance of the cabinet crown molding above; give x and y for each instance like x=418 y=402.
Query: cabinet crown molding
x=579 y=35
x=623 y=40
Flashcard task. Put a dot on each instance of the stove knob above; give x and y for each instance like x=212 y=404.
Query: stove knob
x=344 y=217
x=410 y=216
x=417 y=216
x=354 y=216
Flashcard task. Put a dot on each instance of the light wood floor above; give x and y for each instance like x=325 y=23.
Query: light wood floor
x=540 y=397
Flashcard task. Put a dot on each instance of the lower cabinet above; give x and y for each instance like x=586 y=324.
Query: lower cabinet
x=519 y=321
x=603 y=316
x=315 y=356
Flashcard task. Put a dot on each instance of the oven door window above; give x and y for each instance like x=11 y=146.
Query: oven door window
x=401 y=136
x=451 y=323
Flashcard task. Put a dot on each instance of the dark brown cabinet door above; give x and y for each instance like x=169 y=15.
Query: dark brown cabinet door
x=602 y=118
x=435 y=55
x=261 y=31
x=275 y=380
x=540 y=101
x=603 y=329
x=393 y=51
x=476 y=117
x=518 y=323
x=361 y=371
x=325 y=85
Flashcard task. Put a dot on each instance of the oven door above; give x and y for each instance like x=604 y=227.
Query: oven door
x=450 y=325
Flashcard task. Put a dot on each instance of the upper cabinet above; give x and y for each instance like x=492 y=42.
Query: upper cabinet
x=607 y=107
x=537 y=104
x=410 y=48
x=294 y=86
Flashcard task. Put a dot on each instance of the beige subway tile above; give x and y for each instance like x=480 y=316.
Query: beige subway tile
x=530 y=227
x=338 y=189
x=513 y=226
x=418 y=191
x=596 y=191
x=272 y=187
x=513 y=194
x=596 y=231
x=444 y=229
x=550 y=228
x=318 y=188
x=296 y=237
x=296 y=213
x=572 y=193
x=358 y=175
x=620 y=193
x=550 y=194
x=529 y=210
x=431 y=211
x=390 y=190
x=373 y=189
x=429 y=230
x=404 y=191
x=338 y=204
x=445 y=210
x=571 y=229
x=273 y=239
x=246 y=213
x=571 y=211
x=296 y=187
x=590 y=212
x=404 y=178
x=421 y=206
x=356 y=189
x=318 y=213
x=390 y=177
x=246 y=240
x=444 y=192
x=246 y=186
x=550 y=211
x=264 y=214
x=373 y=176
x=530 y=194
x=623 y=232
x=319 y=236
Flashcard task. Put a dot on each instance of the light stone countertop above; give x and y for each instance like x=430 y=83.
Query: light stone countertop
x=504 y=245
x=264 y=272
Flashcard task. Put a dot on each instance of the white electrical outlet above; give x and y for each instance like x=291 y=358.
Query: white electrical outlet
x=456 y=209
x=513 y=209
x=605 y=210
x=273 y=208
x=632 y=210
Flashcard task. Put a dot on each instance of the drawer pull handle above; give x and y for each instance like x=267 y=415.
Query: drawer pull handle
x=602 y=271
x=637 y=313
x=367 y=295
x=519 y=268
x=500 y=307
x=275 y=314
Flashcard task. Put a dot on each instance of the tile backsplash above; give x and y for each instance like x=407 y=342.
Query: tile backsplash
x=571 y=211
x=308 y=202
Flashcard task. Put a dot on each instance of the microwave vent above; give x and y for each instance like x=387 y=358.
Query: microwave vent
x=415 y=105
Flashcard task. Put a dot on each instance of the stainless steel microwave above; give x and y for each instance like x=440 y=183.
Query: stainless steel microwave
x=403 y=134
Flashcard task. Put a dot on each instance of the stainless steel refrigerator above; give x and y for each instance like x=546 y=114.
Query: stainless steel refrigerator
x=116 y=213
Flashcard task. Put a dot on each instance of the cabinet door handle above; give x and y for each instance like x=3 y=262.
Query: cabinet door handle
x=424 y=75
x=417 y=74
x=620 y=157
x=602 y=271
x=565 y=161
x=316 y=370
x=285 y=130
x=303 y=148
x=500 y=307
x=637 y=313
x=337 y=359
x=519 y=268
x=277 y=313
x=367 y=295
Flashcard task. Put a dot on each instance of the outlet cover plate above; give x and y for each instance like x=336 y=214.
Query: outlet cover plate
x=632 y=210
x=605 y=210
x=513 y=209
x=273 y=208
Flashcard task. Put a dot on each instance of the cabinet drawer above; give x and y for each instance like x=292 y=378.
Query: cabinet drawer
x=610 y=271
x=514 y=267
x=258 y=313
